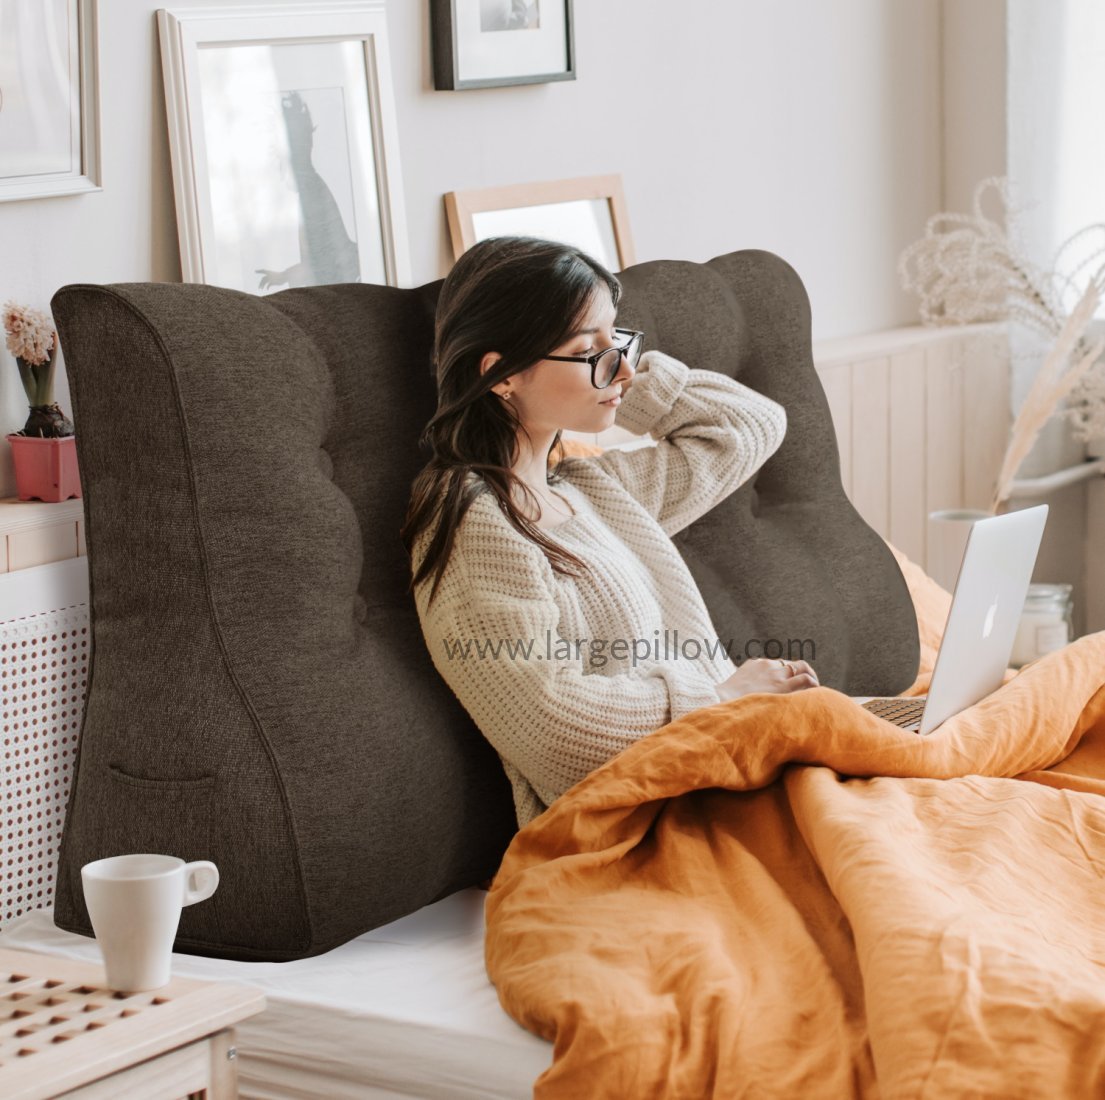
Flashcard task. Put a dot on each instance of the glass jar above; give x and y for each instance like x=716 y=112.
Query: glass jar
x=1046 y=623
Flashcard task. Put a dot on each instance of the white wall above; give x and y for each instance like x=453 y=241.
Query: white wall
x=805 y=128
x=974 y=82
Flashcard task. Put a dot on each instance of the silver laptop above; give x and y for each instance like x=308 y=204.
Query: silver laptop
x=982 y=623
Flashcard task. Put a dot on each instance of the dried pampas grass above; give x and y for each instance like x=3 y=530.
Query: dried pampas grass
x=1053 y=382
x=970 y=268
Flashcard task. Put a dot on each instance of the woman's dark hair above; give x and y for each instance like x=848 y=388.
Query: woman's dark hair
x=521 y=297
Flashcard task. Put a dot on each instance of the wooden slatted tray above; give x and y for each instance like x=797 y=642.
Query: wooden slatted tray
x=60 y=1027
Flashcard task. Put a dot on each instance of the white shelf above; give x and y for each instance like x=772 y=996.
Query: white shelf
x=22 y=515
x=34 y=532
x=41 y=588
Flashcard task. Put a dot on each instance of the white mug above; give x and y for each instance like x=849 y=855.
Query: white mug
x=134 y=903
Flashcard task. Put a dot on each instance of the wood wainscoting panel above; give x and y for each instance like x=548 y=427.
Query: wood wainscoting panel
x=908 y=453
x=871 y=444
x=944 y=422
x=837 y=383
x=988 y=416
x=922 y=416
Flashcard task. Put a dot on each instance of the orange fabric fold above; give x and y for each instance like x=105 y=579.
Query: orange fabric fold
x=785 y=896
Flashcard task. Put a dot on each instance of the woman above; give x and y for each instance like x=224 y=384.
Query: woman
x=544 y=594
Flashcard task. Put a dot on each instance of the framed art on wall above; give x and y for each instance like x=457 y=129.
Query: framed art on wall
x=490 y=43
x=588 y=211
x=284 y=146
x=49 y=108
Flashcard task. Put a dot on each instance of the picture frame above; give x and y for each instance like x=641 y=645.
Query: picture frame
x=284 y=145
x=49 y=113
x=587 y=211
x=494 y=43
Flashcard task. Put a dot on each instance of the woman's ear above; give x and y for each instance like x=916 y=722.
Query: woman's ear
x=486 y=363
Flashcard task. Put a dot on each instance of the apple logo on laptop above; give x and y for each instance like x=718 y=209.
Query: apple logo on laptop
x=988 y=625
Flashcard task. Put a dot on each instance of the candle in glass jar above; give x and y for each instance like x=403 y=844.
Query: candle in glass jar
x=1045 y=623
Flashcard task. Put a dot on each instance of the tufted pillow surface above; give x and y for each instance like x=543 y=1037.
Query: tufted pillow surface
x=259 y=691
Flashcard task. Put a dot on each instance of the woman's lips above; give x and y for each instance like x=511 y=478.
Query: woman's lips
x=616 y=400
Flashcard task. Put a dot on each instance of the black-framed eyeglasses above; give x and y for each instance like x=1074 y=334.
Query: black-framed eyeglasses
x=606 y=364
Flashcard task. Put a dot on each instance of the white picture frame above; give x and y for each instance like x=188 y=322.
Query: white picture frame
x=49 y=112
x=284 y=145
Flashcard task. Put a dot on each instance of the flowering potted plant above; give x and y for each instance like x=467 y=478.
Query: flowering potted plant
x=44 y=452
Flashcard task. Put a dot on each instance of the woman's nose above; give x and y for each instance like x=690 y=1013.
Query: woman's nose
x=625 y=370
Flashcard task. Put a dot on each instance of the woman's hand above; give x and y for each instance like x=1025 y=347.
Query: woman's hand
x=762 y=674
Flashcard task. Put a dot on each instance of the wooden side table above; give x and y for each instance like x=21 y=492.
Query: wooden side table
x=62 y=1033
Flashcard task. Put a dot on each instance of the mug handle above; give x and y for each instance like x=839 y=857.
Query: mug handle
x=207 y=877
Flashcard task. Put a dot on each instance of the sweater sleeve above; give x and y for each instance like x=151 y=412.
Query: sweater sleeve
x=713 y=434
x=494 y=642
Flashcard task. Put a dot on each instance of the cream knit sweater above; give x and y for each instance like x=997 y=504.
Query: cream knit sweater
x=562 y=674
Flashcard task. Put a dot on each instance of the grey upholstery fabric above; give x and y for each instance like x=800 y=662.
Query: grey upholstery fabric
x=259 y=691
x=786 y=557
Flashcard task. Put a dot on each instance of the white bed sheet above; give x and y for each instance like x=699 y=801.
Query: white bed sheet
x=405 y=1011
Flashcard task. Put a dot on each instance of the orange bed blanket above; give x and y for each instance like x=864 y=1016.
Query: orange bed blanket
x=785 y=896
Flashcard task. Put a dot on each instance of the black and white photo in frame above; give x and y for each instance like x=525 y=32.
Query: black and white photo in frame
x=487 y=43
x=284 y=145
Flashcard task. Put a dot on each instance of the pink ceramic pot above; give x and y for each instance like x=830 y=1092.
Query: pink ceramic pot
x=45 y=469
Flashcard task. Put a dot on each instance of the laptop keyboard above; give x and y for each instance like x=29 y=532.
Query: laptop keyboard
x=902 y=712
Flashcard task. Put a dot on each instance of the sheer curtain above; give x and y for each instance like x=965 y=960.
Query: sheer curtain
x=1056 y=73
x=1056 y=155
